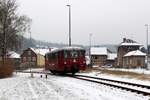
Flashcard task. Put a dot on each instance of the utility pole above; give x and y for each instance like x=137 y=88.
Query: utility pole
x=30 y=55
x=69 y=6
x=146 y=25
x=90 y=35
x=4 y=48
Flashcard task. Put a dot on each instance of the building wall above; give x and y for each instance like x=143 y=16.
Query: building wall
x=134 y=61
x=122 y=50
x=28 y=56
x=98 y=60
x=110 y=62
x=40 y=60
x=149 y=58
x=15 y=62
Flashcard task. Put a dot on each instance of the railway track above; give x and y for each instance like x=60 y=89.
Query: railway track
x=133 y=87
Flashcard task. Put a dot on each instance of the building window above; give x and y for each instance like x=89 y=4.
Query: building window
x=29 y=59
x=139 y=62
x=33 y=58
x=24 y=59
x=130 y=61
x=29 y=52
x=96 y=57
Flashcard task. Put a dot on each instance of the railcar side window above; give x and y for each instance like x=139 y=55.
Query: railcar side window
x=82 y=53
x=65 y=54
x=49 y=56
x=54 y=55
x=74 y=54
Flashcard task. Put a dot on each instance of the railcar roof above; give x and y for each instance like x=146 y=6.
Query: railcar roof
x=66 y=48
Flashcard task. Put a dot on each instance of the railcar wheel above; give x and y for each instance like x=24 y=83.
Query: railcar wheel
x=53 y=72
x=65 y=71
x=73 y=70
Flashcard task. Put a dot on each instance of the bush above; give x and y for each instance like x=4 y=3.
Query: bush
x=6 y=69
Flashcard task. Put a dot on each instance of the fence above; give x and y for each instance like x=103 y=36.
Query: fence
x=6 y=68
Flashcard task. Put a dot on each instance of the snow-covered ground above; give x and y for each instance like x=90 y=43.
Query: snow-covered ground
x=136 y=70
x=23 y=87
x=113 y=77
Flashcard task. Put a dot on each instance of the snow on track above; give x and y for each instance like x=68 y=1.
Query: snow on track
x=32 y=90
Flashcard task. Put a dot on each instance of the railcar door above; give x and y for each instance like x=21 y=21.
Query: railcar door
x=56 y=66
x=60 y=61
x=82 y=61
x=66 y=60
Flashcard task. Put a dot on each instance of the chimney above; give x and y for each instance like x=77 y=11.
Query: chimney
x=124 y=39
x=50 y=49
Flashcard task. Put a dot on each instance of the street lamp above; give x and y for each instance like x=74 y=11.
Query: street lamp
x=90 y=35
x=69 y=24
x=30 y=65
x=146 y=25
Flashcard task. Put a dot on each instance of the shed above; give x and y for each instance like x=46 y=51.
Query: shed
x=111 y=59
x=15 y=58
x=99 y=56
x=134 y=59
x=34 y=57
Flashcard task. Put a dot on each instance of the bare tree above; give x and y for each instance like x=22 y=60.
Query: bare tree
x=12 y=25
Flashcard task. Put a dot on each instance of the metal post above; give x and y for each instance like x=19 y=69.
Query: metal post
x=30 y=56
x=147 y=44
x=69 y=24
x=90 y=35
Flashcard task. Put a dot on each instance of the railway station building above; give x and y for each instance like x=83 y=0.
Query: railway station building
x=134 y=59
x=128 y=54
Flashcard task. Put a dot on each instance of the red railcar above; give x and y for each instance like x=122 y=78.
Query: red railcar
x=65 y=60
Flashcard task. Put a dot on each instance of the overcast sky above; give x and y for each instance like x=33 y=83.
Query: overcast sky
x=108 y=20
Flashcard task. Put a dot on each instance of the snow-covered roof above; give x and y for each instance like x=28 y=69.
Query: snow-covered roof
x=129 y=42
x=99 y=51
x=68 y=48
x=40 y=51
x=112 y=56
x=12 y=54
x=135 y=53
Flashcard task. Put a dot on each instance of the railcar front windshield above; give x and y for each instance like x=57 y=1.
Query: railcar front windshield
x=74 y=54
x=65 y=54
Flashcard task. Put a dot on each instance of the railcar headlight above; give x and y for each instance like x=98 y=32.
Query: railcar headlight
x=74 y=60
x=65 y=62
x=84 y=62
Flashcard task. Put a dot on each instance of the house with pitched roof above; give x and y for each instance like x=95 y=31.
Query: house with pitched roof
x=99 y=56
x=111 y=59
x=33 y=57
x=124 y=47
x=134 y=59
x=14 y=57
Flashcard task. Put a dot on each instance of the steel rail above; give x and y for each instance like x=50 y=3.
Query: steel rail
x=112 y=85
x=117 y=81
